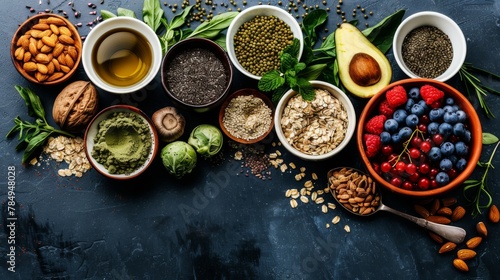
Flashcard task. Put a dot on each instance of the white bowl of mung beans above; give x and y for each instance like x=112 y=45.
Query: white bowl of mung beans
x=256 y=37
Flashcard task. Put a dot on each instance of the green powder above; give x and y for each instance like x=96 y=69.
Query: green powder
x=122 y=143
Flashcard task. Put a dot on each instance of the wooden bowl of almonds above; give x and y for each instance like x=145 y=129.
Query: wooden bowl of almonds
x=46 y=49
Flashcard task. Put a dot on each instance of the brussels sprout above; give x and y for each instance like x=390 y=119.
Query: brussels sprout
x=179 y=158
x=206 y=139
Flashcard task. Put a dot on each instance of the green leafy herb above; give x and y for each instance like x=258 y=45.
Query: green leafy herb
x=382 y=34
x=473 y=83
x=211 y=29
x=173 y=32
x=107 y=14
x=32 y=135
x=311 y=22
x=152 y=13
x=122 y=12
x=481 y=196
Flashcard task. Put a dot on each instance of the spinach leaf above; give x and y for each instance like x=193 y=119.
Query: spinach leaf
x=107 y=14
x=210 y=29
x=382 y=34
x=152 y=13
x=179 y=20
x=312 y=72
x=313 y=20
x=122 y=12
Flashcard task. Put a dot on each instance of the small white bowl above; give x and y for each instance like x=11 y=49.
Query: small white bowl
x=91 y=132
x=101 y=31
x=442 y=22
x=337 y=93
x=249 y=14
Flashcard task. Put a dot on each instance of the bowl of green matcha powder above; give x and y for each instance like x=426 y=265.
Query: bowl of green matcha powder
x=121 y=142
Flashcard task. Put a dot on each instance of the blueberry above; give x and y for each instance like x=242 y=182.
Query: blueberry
x=385 y=137
x=461 y=115
x=461 y=164
x=414 y=93
x=436 y=115
x=445 y=164
x=424 y=105
x=459 y=130
x=412 y=120
x=453 y=158
x=449 y=108
x=450 y=117
x=410 y=102
x=467 y=136
x=417 y=109
x=445 y=129
x=405 y=133
x=434 y=154
x=442 y=178
x=391 y=125
x=461 y=149
x=433 y=128
x=400 y=116
x=396 y=138
x=447 y=149
x=449 y=101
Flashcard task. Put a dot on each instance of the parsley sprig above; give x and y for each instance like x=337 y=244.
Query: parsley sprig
x=473 y=83
x=476 y=191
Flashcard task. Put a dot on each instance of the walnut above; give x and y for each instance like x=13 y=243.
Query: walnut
x=75 y=106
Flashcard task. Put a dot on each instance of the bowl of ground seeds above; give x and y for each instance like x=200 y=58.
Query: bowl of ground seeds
x=246 y=116
x=429 y=45
x=257 y=36
x=121 y=142
x=196 y=74
x=315 y=129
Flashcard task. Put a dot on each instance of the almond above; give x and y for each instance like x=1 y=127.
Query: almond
x=55 y=21
x=460 y=265
x=42 y=68
x=30 y=66
x=54 y=29
x=49 y=41
x=493 y=214
x=42 y=58
x=435 y=205
x=422 y=211
x=46 y=49
x=41 y=26
x=65 y=68
x=448 y=201
x=63 y=30
x=436 y=237
x=69 y=61
x=23 y=41
x=32 y=48
x=458 y=213
x=447 y=247
x=56 y=64
x=55 y=76
x=73 y=52
x=481 y=229
x=473 y=242
x=19 y=53
x=39 y=44
x=67 y=40
x=40 y=77
x=445 y=211
x=438 y=219
x=27 y=56
x=58 y=49
x=50 y=68
x=466 y=254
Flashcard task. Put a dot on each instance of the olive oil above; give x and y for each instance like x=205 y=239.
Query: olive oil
x=122 y=57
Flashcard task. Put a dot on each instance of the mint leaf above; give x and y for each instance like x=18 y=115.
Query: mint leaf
x=287 y=62
x=293 y=49
x=306 y=90
x=271 y=81
x=278 y=93
x=299 y=67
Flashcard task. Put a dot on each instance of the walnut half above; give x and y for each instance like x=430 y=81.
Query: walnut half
x=75 y=106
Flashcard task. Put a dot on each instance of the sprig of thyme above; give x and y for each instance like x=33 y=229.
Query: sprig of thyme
x=479 y=188
x=474 y=83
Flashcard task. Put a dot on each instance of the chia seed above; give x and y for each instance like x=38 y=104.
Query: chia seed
x=196 y=76
x=427 y=51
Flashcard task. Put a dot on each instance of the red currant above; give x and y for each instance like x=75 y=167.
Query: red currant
x=385 y=167
x=414 y=153
x=434 y=183
x=411 y=168
x=425 y=146
x=425 y=119
x=436 y=104
x=438 y=139
x=424 y=183
x=452 y=173
x=424 y=168
x=414 y=177
x=407 y=185
x=396 y=181
x=400 y=166
x=386 y=150
x=422 y=127
x=416 y=142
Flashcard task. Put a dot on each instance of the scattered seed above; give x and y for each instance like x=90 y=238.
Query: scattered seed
x=283 y=167
x=324 y=209
x=331 y=205
x=336 y=220
x=314 y=176
x=327 y=225
x=293 y=203
x=292 y=165
x=319 y=200
x=298 y=177
x=347 y=228
x=288 y=193
x=304 y=199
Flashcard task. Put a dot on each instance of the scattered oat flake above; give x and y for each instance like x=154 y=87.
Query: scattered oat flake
x=327 y=225
x=347 y=228
x=336 y=220
x=71 y=151
x=238 y=155
x=293 y=203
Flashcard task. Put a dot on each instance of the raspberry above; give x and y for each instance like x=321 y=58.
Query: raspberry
x=385 y=109
x=396 y=96
x=373 y=144
x=431 y=94
x=375 y=125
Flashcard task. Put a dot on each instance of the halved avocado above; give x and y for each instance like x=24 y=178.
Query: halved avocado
x=363 y=68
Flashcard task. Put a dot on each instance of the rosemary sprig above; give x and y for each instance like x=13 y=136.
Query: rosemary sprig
x=479 y=188
x=32 y=135
x=474 y=83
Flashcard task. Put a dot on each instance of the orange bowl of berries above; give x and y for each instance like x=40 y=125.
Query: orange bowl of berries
x=419 y=137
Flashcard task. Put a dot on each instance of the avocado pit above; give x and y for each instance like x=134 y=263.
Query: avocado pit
x=364 y=70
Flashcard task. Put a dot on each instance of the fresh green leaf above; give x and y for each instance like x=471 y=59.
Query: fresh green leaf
x=293 y=49
x=35 y=143
x=122 y=12
x=328 y=46
x=299 y=67
x=278 y=94
x=35 y=107
x=152 y=13
x=312 y=72
x=306 y=90
x=271 y=81
x=489 y=138
x=313 y=20
x=382 y=34
x=287 y=61
x=105 y=14
x=217 y=23
x=180 y=19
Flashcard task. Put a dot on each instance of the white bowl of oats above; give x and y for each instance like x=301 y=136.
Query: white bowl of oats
x=316 y=129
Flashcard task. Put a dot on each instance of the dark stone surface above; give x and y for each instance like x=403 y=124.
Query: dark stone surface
x=216 y=224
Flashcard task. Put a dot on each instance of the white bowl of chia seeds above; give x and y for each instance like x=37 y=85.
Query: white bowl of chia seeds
x=429 y=45
x=257 y=35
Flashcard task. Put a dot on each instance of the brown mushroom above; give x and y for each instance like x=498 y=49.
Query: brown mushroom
x=169 y=123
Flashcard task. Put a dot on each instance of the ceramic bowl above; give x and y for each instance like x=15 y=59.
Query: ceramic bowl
x=246 y=92
x=442 y=22
x=335 y=92
x=92 y=131
x=247 y=15
x=473 y=124
x=193 y=44
x=53 y=75
x=113 y=37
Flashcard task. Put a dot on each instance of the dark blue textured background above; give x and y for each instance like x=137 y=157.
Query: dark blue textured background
x=239 y=227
